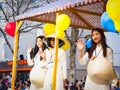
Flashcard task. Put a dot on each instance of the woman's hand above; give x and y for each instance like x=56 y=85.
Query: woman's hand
x=29 y=49
x=42 y=54
x=80 y=44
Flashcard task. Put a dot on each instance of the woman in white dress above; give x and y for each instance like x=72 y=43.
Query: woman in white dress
x=61 y=65
x=98 y=48
x=36 y=58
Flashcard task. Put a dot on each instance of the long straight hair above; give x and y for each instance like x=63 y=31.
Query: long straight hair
x=103 y=43
x=36 y=48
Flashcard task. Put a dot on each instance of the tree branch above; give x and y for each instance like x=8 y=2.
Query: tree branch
x=4 y=35
x=20 y=4
x=68 y=38
x=80 y=34
x=10 y=6
x=4 y=14
x=35 y=26
x=27 y=6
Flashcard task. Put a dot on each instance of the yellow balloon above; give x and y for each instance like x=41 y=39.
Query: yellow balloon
x=66 y=46
x=60 y=34
x=113 y=10
x=49 y=28
x=62 y=22
x=117 y=26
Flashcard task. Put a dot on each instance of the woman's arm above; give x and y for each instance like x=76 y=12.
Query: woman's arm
x=29 y=60
x=82 y=58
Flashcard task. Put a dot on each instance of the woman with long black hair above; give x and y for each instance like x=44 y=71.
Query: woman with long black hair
x=99 y=48
x=36 y=58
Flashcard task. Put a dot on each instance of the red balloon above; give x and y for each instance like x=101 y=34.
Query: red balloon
x=10 y=28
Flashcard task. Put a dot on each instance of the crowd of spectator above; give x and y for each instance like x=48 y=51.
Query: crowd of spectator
x=77 y=85
x=23 y=83
x=20 y=84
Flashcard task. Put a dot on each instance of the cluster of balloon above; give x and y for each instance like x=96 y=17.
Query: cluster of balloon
x=113 y=10
x=107 y=23
x=62 y=23
x=10 y=28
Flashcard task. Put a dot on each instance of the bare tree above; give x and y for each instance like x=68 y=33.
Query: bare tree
x=75 y=34
x=74 y=37
x=11 y=8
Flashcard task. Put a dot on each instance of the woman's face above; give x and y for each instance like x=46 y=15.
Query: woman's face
x=52 y=42
x=39 y=42
x=96 y=37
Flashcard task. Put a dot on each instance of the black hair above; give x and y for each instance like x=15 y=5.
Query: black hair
x=36 y=48
x=103 y=43
x=61 y=42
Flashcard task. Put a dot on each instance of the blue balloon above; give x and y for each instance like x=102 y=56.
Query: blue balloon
x=89 y=43
x=107 y=23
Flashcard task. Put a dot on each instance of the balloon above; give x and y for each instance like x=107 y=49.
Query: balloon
x=107 y=23
x=62 y=22
x=60 y=34
x=113 y=7
x=117 y=26
x=66 y=46
x=49 y=28
x=89 y=43
x=113 y=10
x=10 y=28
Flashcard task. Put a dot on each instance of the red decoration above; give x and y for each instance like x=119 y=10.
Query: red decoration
x=10 y=28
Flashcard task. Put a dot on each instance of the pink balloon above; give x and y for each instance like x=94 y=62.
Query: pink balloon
x=10 y=28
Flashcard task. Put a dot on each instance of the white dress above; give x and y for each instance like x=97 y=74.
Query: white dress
x=90 y=85
x=61 y=69
x=38 y=71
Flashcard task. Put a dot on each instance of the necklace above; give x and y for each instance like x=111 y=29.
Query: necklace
x=96 y=54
